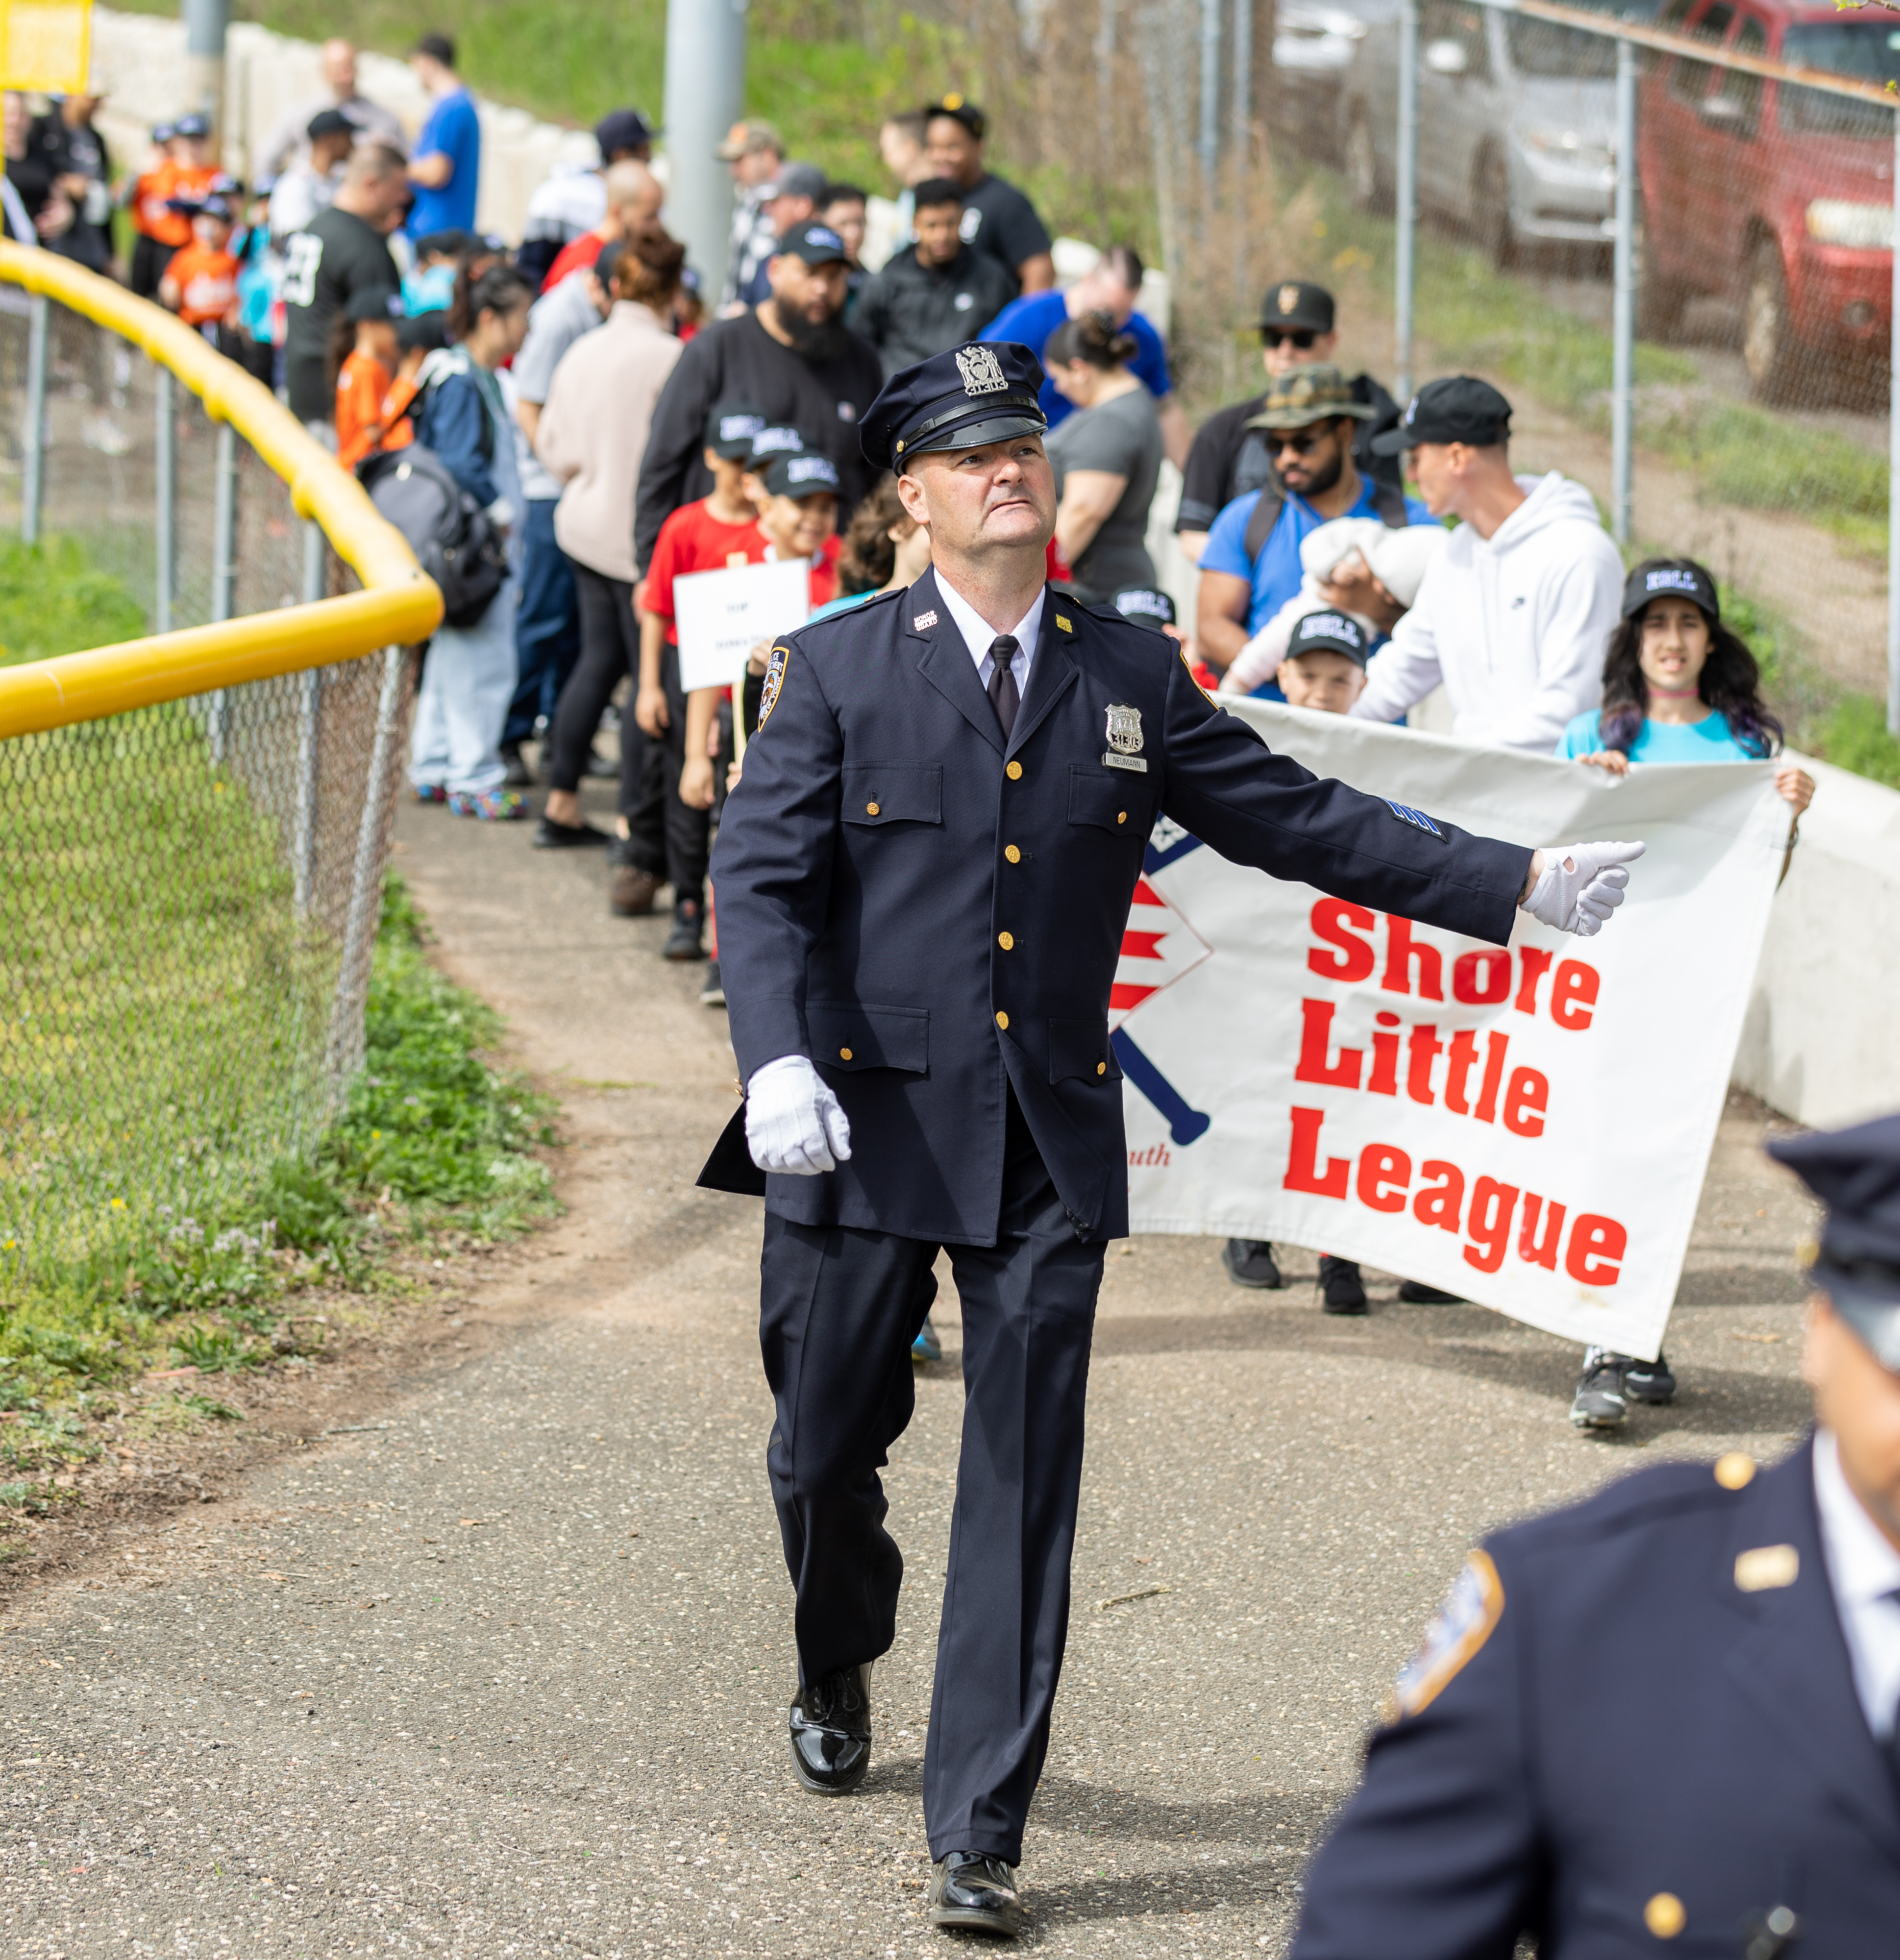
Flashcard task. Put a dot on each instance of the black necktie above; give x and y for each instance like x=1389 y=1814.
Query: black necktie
x=1004 y=697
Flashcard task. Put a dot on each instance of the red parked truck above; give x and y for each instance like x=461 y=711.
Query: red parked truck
x=1774 y=194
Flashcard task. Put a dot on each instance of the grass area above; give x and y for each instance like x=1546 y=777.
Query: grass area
x=434 y=1144
x=1475 y=316
x=53 y=601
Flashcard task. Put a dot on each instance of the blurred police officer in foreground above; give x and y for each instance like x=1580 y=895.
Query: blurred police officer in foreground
x=1744 y=1624
x=923 y=879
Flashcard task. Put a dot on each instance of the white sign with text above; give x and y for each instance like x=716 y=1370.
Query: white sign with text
x=721 y=615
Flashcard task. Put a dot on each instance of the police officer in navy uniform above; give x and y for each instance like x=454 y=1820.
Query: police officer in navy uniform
x=1753 y=1615
x=923 y=879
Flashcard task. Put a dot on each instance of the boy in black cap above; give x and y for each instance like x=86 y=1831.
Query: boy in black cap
x=1229 y=455
x=792 y=356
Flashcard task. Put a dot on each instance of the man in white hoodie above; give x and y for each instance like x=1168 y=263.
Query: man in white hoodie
x=1514 y=614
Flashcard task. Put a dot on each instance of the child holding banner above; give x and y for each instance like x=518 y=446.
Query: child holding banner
x=1678 y=686
x=1323 y=668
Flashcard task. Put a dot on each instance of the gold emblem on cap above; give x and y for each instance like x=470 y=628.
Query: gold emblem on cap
x=1664 y=1916
x=1289 y=298
x=1735 y=1471
x=952 y=100
x=1767 y=1569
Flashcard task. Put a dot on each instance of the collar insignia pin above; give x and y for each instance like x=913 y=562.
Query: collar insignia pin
x=923 y=622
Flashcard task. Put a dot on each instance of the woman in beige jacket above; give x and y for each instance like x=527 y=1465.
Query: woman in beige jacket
x=592 y=435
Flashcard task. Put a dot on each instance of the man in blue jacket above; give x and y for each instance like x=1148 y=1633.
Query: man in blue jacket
x=923 y=879
x=1754 y=1615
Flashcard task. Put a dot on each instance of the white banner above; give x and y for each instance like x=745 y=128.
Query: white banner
x=1528 y=1128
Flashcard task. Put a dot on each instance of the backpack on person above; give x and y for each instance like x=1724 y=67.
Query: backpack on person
x=448 y=531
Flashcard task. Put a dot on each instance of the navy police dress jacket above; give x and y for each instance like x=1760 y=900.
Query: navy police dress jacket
x=933 y=916
x=1633 y=1730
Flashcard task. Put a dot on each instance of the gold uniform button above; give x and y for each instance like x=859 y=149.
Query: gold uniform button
x=1120 y=816
x=1664 y=1916
x=1004 y=941
x=1002 y=1020
x=870 y=810
x=1101 y=1068
x=1735 y=1471
x=1012 y=853
x=1013 y=770
x=843 y=1055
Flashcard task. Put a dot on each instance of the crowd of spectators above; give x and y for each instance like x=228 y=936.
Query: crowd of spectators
x=614 y=439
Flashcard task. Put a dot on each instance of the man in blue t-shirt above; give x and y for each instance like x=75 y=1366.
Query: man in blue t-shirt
x=446 y=167
x=1111 y=288
x=1251 y=565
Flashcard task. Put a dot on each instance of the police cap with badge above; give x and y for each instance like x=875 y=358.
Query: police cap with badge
x=1856 y=1174
x=983 y=393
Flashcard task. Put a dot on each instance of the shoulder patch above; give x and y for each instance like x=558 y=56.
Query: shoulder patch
x=775 y=680
x=1416 y=818
x=1460 y=1627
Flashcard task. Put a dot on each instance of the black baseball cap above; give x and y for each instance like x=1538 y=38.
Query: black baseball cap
x=816 y=244
x=450 y=244
x=429 y=331
x=1460 y=407
x=1660 y=577
x=1856 y=1174
x=1297 y=302
x=1144 y=606
x=958 y=110
x=193 y=125
x=730 y=428
x=808 y=472
x=623 y=129
x=373 y=303
x=329 y=122
x=1328 y=633
x=983 y=392
x=771 y=440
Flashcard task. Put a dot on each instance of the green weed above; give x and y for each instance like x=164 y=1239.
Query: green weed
x=53 y=600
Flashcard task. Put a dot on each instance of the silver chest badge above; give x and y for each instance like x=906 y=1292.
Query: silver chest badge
x=1125 y=739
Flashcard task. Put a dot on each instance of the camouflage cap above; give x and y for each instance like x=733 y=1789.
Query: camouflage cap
x=1303 y=395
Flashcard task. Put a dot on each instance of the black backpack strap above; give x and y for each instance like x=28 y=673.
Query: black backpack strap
x=1266 y=514
x=1389 y=501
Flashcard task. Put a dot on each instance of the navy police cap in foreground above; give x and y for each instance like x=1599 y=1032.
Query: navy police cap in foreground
x=983 y=393
x=1856 y=1174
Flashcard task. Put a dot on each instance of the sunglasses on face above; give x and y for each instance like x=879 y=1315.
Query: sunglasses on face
x=1301 y=442
x=1301 y=337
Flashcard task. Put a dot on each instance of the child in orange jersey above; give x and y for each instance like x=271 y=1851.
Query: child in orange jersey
x=364 y=353
x=200 y=280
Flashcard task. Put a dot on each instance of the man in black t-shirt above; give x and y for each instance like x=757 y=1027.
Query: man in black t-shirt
x=342 y=251
x=1229 y=459
x=997 y=218
x=791 y=357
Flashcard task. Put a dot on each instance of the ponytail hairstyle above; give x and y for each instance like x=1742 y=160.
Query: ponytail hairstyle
x=648 y=269
x=1730 y=682
x=501 y=289
x=870 y=554
x=1092 y=337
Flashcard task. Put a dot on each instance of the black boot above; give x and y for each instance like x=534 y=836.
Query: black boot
x=1342 y=1290
x=686 y=940
x=831 y=1731
x=1249 y=1263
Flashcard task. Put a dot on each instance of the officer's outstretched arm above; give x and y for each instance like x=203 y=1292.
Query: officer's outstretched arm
x=1256 y=807
x=1438 y=1856
x=772 y=867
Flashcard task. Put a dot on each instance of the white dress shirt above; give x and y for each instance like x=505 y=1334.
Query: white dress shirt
x=1864 y=1569
x=978 y=635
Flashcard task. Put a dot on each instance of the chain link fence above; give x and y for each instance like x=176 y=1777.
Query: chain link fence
x=188 y=891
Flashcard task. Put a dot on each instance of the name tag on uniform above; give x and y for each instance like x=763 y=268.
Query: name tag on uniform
x=1138 y=763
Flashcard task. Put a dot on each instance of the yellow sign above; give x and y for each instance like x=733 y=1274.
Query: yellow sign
x=46 y=45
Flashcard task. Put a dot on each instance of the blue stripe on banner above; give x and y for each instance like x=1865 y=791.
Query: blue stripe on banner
x=1184 y=1125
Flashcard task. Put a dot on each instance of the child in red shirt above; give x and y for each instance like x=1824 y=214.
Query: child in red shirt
x=364 y=351
x=200 y=281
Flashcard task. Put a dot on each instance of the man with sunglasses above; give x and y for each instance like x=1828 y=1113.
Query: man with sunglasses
x=1229 y=457
x=1306 y=428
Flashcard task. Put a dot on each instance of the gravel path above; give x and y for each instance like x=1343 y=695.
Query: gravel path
x=507 y=1676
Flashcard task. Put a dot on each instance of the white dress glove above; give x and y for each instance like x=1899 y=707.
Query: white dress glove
x=793 y=1125
x=1576 y=886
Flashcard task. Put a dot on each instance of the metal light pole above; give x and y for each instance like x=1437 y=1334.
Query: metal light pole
x=1623 y=326
x=1243 y=79
x=1406 y=197
x=206 y=23
x=1893 y=468
x=705 y=89
x=1209 y=95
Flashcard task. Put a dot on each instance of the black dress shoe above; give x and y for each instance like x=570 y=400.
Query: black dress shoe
x=1342 y=1290
x=831 y=1731
x=1249 y=1263
x=976 y=1893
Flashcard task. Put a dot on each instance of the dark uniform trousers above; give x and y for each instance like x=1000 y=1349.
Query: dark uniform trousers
x=931 y=913
x=841 y=1307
